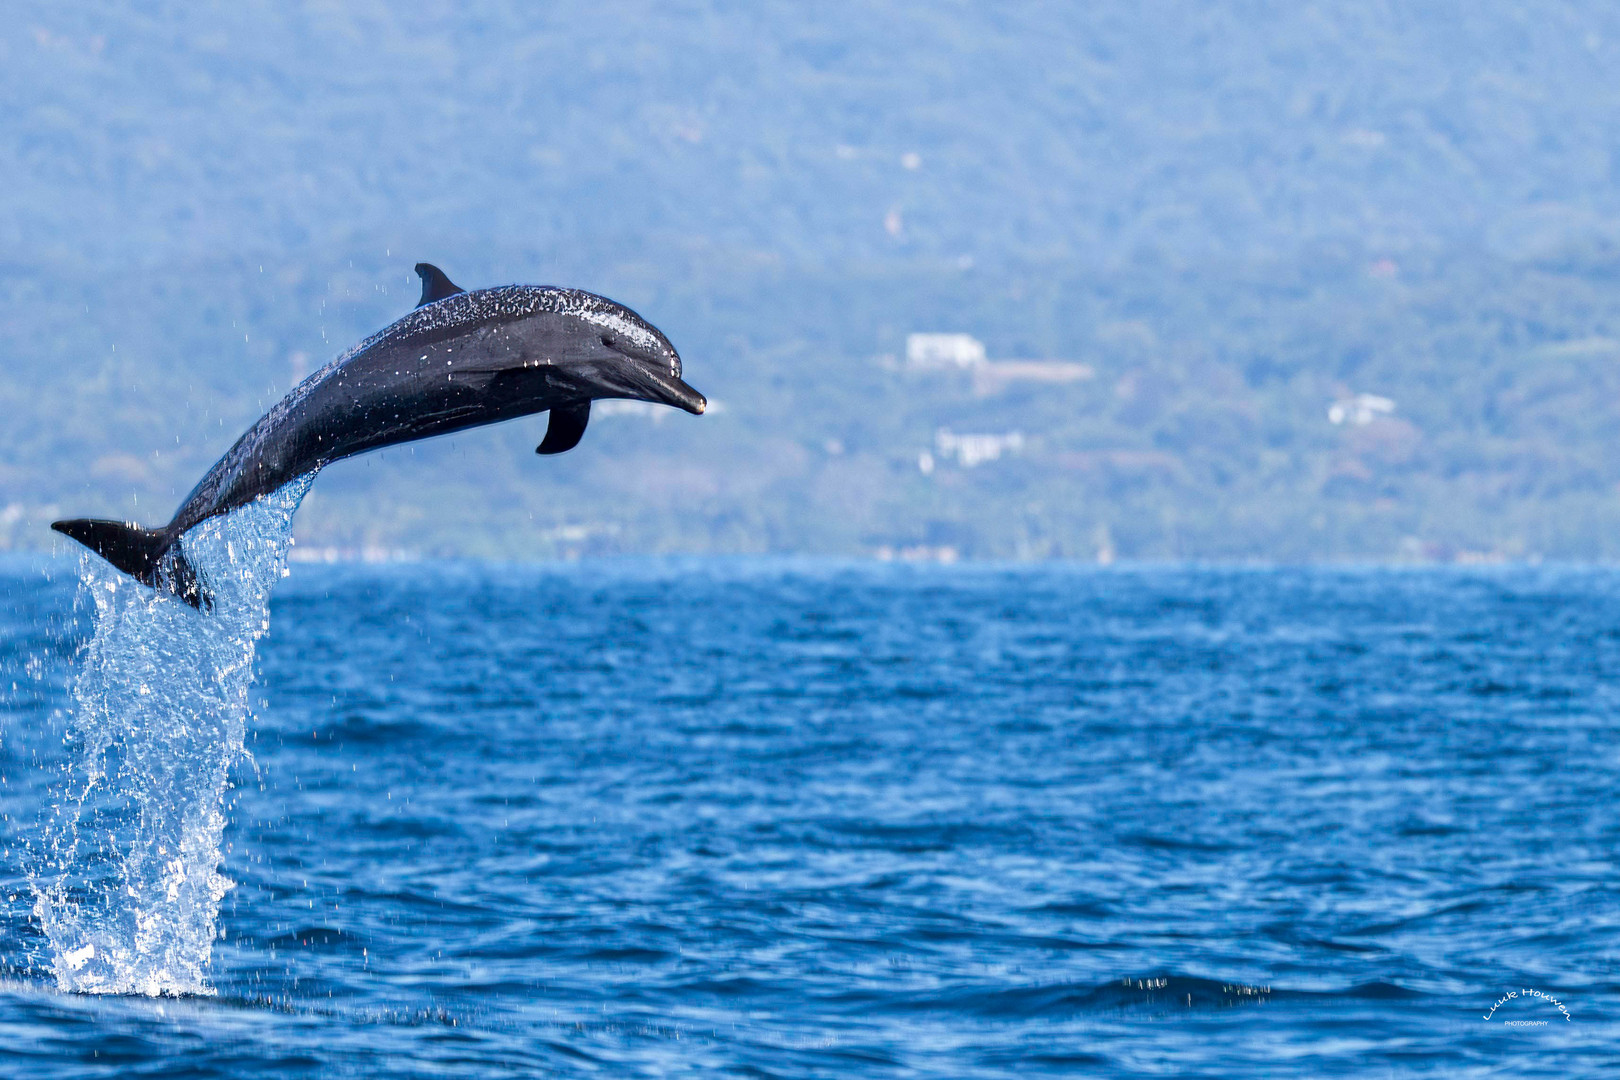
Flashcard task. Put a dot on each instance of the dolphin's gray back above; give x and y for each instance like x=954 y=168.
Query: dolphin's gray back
x=458 y=314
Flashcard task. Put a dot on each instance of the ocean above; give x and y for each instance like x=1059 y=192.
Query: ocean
x=784 y=818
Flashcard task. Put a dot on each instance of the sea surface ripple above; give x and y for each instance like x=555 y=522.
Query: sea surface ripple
x=795 y=818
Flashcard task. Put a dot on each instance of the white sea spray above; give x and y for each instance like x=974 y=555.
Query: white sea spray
x=130 y=882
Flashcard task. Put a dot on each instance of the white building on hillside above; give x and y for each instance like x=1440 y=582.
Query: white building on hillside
x=964 y=352
x=971 y=450
x=943 y=351
x=1359 y=410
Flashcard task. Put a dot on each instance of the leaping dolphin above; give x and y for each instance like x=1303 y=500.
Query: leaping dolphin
x=461 y=359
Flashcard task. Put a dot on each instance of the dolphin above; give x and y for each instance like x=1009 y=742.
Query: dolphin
x=459 y=360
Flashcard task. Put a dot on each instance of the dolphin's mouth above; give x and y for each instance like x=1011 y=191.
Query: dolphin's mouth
x=673 y=390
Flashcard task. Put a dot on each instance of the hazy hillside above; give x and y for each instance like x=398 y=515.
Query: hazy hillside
x=1236 y=214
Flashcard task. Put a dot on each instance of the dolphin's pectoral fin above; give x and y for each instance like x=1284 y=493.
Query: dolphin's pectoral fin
x=435 y=286
x=567 y=427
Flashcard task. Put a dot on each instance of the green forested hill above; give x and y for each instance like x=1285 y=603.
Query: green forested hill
x=1236 y=213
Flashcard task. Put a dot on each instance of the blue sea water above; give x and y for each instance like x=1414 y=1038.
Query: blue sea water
x=777 y=818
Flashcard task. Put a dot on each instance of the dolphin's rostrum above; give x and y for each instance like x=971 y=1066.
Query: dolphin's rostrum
x=461 y=359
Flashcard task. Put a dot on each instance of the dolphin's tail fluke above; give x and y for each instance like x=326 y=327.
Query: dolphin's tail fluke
x=147 y=555
x=132 y=549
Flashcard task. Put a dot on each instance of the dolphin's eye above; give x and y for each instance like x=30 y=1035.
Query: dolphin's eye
x=607 y=339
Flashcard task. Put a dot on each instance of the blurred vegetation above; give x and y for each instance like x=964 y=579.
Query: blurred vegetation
x=1235 y=213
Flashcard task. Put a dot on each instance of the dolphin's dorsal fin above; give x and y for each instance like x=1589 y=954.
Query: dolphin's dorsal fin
x=567 y=427
x=435 y=286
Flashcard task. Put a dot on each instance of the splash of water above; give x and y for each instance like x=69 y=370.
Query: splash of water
x=130 y=889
